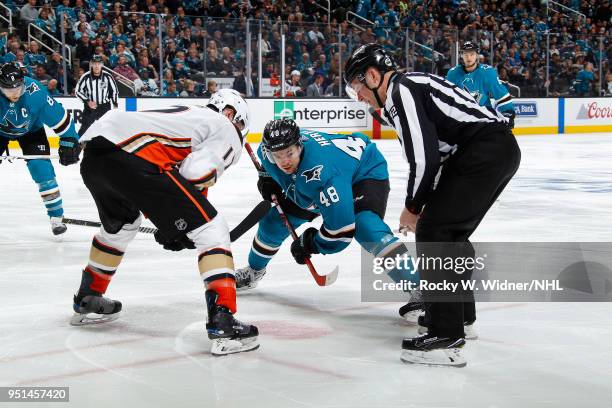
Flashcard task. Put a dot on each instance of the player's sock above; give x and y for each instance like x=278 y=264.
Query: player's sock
x=103 y=262
x=217 y=272
x=261 y=254
x=50 y=194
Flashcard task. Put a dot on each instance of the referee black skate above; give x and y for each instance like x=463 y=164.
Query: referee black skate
x=97 y=89
x=444 y=131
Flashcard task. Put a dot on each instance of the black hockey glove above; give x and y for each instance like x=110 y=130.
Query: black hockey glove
x=69 y=151
x=177 y=244
x=267 y=186
x=304 y=246
x=510 y=115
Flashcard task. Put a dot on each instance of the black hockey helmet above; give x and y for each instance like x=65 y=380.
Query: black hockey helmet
x=469 y=46
x=97 y=58
x=368 y=55
x=280 y=134
x=11 y=76
x=364 y=57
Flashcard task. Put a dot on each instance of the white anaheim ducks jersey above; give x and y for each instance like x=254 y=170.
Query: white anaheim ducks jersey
x=202 y=142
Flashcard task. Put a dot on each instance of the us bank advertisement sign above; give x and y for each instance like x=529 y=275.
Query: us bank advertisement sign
x=526 y=109
x=337 y=114
x=535 y=113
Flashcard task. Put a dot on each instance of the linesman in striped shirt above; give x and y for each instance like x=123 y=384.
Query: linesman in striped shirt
x=445 y=135
x=97 y=89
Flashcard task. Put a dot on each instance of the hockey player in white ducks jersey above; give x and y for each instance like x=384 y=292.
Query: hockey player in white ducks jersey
x=161 y=163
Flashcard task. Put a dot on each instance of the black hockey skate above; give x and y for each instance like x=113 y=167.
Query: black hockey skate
x=228 y=335
x=468 y=328
x=94 y=309
x=433 y=350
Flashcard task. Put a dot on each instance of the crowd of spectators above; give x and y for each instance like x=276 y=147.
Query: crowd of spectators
x=203 y=42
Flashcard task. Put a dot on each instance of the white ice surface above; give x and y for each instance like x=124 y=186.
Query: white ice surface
x=320 y=347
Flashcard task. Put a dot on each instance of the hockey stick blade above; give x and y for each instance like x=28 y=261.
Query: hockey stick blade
x=326 y=280
x=97 y=224
x=12 y=158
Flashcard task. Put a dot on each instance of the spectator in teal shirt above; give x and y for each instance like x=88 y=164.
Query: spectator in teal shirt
x=584 y=79
x=34 y=56
x=66 y=9
x=171 y=90
x=380 y=24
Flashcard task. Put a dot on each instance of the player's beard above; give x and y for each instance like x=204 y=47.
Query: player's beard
x=471 y=67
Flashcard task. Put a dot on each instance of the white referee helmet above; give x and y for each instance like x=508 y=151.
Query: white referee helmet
x=229 y=98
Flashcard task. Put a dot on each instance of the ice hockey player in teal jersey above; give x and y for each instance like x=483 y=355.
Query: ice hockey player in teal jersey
x=343 y=178
x=481 y=81
x=25 y=106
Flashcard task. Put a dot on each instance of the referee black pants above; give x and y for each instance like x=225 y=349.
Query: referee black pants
x=91 y=115
x=469 y=183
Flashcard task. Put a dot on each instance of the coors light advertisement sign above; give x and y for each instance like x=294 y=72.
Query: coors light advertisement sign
x=595 y=110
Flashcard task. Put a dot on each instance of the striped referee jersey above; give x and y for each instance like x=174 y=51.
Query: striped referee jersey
x=100 y=89
x=433 y=118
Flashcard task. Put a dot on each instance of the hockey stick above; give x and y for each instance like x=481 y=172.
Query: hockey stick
x=10 y=159
x=322 y=280
x=377 y=116
x=246 y=224
x=86 y=223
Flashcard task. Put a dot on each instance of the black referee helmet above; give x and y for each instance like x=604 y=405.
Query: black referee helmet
x=364 y=57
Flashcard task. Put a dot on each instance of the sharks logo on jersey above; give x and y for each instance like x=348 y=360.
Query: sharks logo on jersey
x=31 y=88
x=313 y=174
x=15 y=124
x=469 y=85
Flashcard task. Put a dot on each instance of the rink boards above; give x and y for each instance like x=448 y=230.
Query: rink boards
x=536 y=116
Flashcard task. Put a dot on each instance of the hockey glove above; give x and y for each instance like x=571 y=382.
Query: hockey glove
x=304 y=246
x=510 y=115
x=267 y=187
x=177 y=244
x=69 y=150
